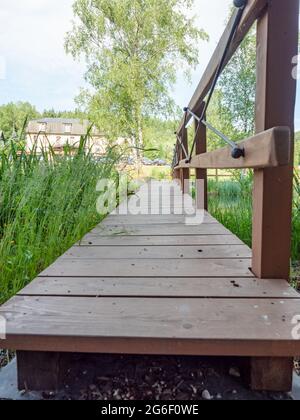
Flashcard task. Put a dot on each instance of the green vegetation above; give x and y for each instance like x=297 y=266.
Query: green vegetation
x=297 y=149
x=13 y=115
x=47 y=203
x=231 y=203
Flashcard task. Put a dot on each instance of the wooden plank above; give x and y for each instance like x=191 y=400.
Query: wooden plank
x=251 y=13
x=240 y=327
x=201 y=174
x=158 y=252
x=150 y=268
x=184 y=173
x=151 y=219
x=160 y=287
x=271 y=148
x=277 y=36
x=96 y=240
x=152 y=230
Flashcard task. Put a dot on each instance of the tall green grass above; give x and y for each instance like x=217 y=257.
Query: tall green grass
x=47 y=203
x=231 y=203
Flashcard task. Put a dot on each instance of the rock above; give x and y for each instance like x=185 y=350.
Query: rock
x=234 y=372
x=206 y=395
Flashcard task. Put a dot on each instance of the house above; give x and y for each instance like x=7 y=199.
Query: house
x=58 y=133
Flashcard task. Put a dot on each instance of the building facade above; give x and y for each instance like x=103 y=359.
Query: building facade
x=59 y=133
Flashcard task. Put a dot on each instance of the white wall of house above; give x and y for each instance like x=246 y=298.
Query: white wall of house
x=97 y=145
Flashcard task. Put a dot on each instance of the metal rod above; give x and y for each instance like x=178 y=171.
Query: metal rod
x=218 y=133
x=237 y=152
x=182 y=146
x=215 y=130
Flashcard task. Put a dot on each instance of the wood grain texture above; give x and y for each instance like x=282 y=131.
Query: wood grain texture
x=152 y=219
x=217 y=326
x=277 y=36
x=150 y=268
x=158 y=252
x=160 y=287
x=271 y=148
x=96 y=240
x=152 y=230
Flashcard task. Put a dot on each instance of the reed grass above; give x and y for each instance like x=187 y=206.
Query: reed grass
x=47 y=203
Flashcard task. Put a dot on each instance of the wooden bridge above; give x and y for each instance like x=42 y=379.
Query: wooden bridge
x=161 y=284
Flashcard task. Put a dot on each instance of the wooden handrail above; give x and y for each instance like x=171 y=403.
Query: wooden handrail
x=252 y=11
x=269 y=149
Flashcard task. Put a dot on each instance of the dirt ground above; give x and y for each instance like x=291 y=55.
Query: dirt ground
x=108 y=377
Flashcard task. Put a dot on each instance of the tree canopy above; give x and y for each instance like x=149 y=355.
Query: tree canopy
x=133 y=49
x=14 y=115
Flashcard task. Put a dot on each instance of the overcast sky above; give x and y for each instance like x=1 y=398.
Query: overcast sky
x=35 y=68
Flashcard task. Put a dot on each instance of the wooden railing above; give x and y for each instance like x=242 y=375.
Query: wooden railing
x=270 y=152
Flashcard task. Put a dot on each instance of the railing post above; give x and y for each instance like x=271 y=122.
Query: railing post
x=201 y=174
x=277 y=40
x=185 y=173
x=277 y=36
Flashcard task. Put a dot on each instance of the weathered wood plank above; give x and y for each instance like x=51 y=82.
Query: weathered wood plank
x=271 y=148
x=96 y=240
x=151 y=230
x=150 y=268
x=277 y=35
x=273 y=374
x=243 y=327
x=158 y=252
x=152 y=219
x=160 y=287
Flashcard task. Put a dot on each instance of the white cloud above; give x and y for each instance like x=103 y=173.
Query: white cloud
x=32 y=34
x=35 y=67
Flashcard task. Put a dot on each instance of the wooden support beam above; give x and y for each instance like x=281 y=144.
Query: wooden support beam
x=277 y=42
x=39 y=371
x=271 y=148
x=185 y=172
x=251 y=13
x=201 y=174
x=273 y=374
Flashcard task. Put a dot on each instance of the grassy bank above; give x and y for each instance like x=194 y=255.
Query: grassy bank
x=47 y=203
x=231 y=203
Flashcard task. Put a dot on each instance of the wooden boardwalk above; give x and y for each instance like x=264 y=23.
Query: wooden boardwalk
x=150 y=284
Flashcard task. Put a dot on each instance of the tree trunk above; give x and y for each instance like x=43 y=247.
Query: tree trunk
x=139 y=141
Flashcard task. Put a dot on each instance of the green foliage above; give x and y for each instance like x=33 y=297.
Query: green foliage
x=297 y=149
x=238 y=85
x=232 y=109
x=221 y=118
x=13 y=115
x=47 y=203
x=132 y=49
x=231 y=203
x=158 y=136
x=52 y=113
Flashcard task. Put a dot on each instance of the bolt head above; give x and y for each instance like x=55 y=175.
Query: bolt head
x=240 y=3
x=237 y=153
